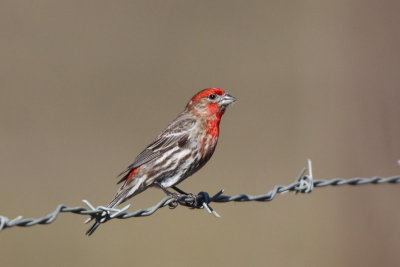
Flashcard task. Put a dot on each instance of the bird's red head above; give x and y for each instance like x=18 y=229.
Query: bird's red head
x=207 y=92
x=210 y=102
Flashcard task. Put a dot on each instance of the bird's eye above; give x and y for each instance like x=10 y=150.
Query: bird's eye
x=212 y=96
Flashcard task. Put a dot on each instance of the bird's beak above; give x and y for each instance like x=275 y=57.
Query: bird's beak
x=227 y=99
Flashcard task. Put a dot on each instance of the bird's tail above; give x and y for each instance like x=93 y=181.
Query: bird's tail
x=128 y=190
x=96 y=224
x=93 y=228
x=116 y=200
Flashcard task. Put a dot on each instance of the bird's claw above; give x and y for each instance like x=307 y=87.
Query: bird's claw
x=173 y=204
x=176 y=200
x=188 y=200
x=192 y=203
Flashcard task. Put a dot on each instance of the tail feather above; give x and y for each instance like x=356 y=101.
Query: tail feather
x=123 y=194
x=112 y=204
x=93 y=228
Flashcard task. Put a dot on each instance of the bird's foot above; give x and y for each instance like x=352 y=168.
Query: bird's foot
x=175 y=201
x=188 y=200
x=192 y=203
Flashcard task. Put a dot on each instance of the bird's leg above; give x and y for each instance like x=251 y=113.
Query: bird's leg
x=170 y=194
x=180 y=191
x=178 y=197
x=175 y=196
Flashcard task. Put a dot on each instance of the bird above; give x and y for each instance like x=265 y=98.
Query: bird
x=180 y=150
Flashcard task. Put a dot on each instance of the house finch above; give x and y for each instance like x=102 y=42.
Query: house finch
x=180 y=150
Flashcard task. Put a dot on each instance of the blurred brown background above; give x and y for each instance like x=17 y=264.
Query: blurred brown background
x=85 y=85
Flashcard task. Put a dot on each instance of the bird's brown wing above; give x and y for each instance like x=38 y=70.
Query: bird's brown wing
x=177 y=133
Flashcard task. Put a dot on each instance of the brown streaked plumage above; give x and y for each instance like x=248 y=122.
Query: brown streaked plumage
x=180 y=150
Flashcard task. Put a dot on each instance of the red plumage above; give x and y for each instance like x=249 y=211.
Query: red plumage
x=180 y=150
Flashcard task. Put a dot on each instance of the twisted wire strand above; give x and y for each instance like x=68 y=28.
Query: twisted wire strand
x=303 y=184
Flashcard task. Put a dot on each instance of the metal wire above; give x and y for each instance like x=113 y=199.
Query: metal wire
x=303 y=184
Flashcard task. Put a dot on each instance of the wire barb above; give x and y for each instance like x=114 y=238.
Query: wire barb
x=304 y=183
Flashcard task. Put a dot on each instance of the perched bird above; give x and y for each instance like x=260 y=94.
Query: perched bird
x=180 y=150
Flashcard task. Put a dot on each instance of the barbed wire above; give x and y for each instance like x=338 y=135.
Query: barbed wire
x=304 y=183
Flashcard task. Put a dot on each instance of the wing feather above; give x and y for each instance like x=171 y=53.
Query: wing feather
x=176 y=133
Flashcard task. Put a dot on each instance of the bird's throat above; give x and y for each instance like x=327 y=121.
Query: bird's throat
x=213 y=125
x=213 y=118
